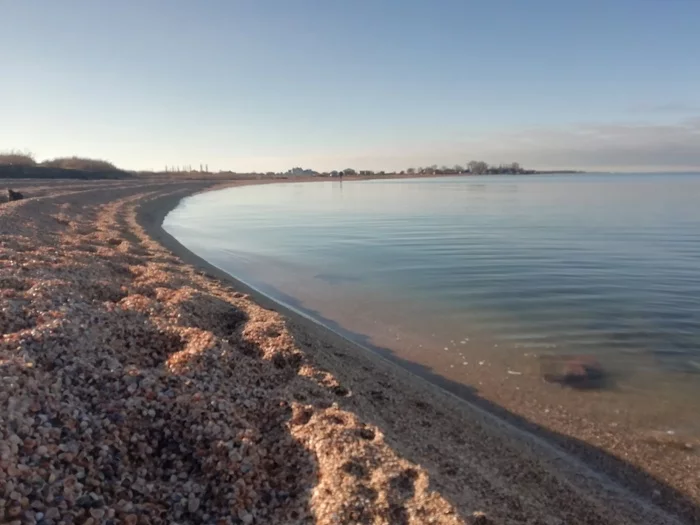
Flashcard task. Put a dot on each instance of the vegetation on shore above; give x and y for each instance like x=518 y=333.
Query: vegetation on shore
x=474 y=167
x=17 y=158
x=20 y=160
x=26 y=159
x=80 y=163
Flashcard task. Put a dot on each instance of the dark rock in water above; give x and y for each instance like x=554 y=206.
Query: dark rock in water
x=579 y=371
x=14 y=195
x=479 y=518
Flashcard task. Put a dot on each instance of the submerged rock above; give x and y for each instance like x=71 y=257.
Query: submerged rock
x=579 y=371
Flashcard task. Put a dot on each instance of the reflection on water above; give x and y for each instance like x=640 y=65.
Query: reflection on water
x=607 y=265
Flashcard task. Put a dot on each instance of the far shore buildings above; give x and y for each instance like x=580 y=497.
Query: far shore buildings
x=301 y=172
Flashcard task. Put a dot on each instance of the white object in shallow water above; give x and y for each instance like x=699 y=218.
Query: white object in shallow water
x=514 y=373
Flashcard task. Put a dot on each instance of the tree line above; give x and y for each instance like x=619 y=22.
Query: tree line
x=474 y=167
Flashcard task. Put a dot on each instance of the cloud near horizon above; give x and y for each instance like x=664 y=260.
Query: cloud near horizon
x=596 y=147
x=628 y=147
x=668 y=107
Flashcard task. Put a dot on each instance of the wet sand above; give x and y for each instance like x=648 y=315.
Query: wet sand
x=141 y=385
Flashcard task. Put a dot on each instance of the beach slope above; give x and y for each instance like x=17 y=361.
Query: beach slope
x=139 y=385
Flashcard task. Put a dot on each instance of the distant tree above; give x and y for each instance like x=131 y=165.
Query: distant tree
x=411 y=171
x=458 y=168
x=478 y=167
x=349 y=171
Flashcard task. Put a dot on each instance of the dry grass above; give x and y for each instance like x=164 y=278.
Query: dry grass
x=16 y=158
x=80 y=163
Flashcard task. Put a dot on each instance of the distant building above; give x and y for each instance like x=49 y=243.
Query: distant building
x=301 y=172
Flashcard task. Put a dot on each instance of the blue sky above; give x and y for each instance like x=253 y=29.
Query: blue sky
x=328 y=84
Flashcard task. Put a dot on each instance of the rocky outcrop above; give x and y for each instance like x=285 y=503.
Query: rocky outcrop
x=14 y=195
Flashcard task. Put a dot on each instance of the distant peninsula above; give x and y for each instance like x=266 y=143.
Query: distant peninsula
x=471 y=168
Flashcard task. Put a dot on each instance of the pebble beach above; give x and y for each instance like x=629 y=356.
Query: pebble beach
x=138 y=386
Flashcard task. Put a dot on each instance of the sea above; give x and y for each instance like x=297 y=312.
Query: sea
x=447 y=274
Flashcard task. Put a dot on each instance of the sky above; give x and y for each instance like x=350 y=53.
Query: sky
x=266 y=85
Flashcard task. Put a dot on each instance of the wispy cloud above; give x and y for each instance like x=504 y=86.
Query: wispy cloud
x=610 y=147
x=667 y=107
x=613 y=146
x=596 y=147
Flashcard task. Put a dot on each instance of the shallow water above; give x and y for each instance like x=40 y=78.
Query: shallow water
x=604 y=264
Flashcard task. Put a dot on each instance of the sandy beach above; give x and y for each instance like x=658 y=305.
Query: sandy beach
x=138 y=384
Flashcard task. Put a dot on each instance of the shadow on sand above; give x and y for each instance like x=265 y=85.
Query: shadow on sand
x=622 y=473
x=617 y=470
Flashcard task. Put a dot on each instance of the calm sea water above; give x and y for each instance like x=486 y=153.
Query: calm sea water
x=604 y=264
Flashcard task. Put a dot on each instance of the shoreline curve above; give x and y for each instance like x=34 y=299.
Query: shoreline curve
x=555 y=457
x=241 y=409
